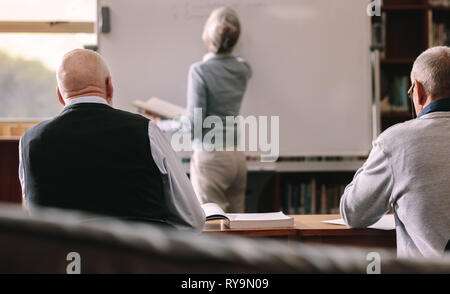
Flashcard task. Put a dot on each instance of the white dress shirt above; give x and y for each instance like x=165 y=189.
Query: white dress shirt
x=181 y=202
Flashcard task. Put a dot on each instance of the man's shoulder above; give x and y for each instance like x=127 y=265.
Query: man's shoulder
x=51 y=124
x=398 y=131
x=412 y=132
x=37 y=129
x=129 y=115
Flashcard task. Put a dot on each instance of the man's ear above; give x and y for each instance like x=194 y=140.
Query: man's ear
x=109 y=90
x=60 y=98
x=421 y=95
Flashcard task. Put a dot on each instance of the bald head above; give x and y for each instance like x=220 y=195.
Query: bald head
x=432 y=69
x=430 y=77
x=83 y=73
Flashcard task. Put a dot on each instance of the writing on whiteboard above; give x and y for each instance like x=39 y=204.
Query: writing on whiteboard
x=192 y=10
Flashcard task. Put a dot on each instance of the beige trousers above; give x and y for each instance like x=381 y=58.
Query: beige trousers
x=220 y=177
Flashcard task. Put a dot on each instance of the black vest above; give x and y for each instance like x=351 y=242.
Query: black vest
x=93 y=158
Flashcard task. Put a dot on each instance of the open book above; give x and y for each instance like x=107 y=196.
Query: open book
x=160 y=108
x=248 y=220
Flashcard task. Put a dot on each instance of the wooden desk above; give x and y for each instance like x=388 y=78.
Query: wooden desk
x=310 y=229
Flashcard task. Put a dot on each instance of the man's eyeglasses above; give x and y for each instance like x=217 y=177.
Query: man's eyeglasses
x=410 y=95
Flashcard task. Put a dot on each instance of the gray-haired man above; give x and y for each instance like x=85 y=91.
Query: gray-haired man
x=409 y=166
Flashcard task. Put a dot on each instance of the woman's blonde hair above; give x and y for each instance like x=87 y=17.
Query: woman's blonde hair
x=222 y=30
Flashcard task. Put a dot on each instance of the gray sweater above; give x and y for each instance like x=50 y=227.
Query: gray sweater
x=217 y=85
x=408 y=169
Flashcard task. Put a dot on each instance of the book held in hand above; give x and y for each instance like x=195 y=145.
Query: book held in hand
x=161 y=108
x=248 y=220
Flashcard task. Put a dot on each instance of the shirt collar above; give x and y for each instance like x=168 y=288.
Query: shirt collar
x=85 y=99
x=435 y=106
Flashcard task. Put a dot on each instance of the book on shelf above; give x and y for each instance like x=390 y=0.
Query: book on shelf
x=290 y=208
x=323 y=201
x=437 y=3
x=296 y=199
x=160 y=107
x=284 y=206
x=291 y=202
x=379 y=34
x=308 y=198
x=311 y=197
x=397 y=100
x=302 y=198
x=439 y=34
x=247 y=220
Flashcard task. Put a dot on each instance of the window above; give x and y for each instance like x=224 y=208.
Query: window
x=34 y=34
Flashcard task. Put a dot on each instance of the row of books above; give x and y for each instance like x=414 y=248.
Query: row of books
x=439 y=34
x=439 y=31
x=379 y=34
x=311 y=197
x=397 y=99
x=445 y=3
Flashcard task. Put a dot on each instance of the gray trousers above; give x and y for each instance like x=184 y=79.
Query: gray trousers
x=220 y=177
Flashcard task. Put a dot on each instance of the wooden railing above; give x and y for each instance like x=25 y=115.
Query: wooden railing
x=15 y=128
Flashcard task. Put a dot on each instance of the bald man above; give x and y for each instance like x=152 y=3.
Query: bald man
x=94 y=158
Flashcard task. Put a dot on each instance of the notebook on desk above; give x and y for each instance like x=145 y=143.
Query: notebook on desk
x=248 y=220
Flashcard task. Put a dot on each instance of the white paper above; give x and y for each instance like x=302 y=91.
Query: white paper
x=386 y=223
x=270 y=216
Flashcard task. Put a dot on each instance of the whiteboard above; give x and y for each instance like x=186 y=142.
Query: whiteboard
x=310 y=60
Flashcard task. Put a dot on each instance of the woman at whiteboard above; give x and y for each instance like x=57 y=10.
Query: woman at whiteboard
x=216 y=87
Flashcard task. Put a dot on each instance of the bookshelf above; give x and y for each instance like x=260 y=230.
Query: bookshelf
x=405 y=29
x=312 y=186
x=268 y=184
